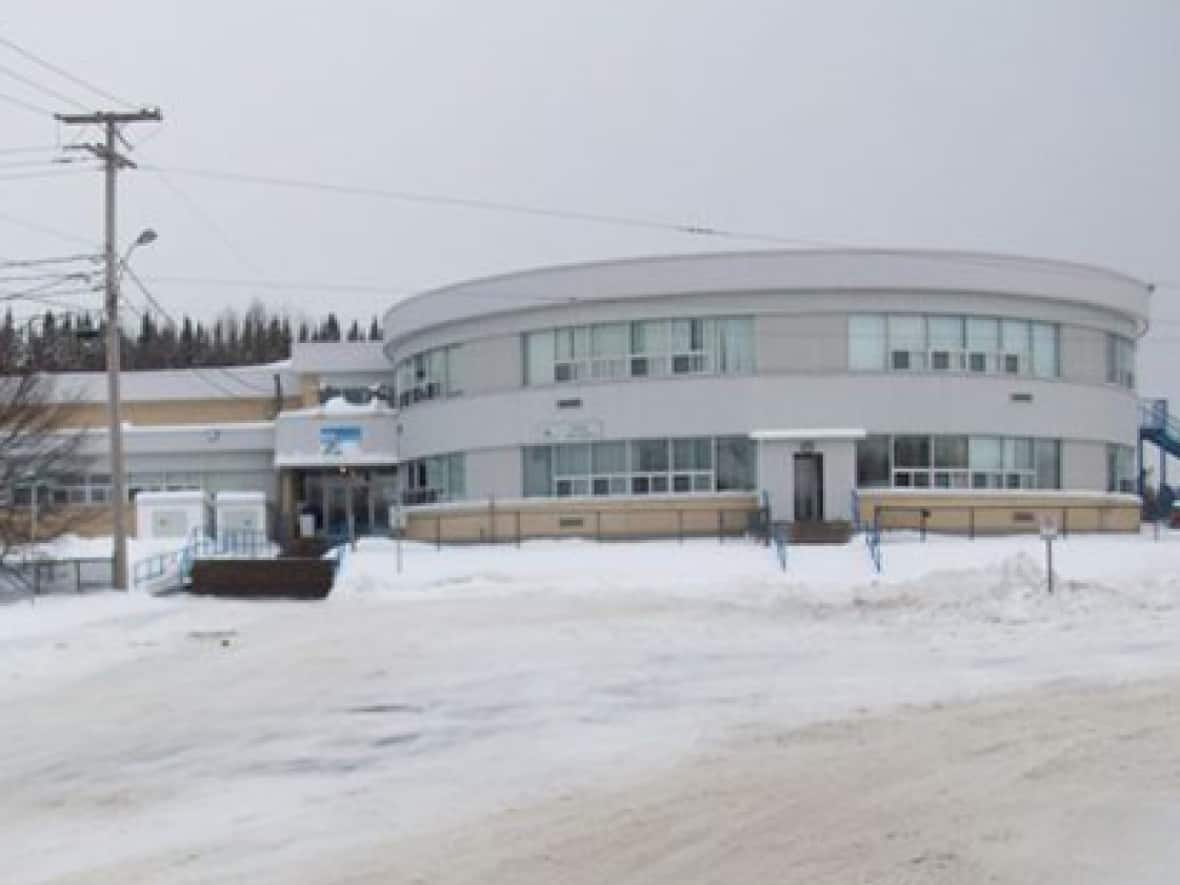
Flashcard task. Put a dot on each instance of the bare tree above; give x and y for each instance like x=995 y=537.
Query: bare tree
x=37 y=449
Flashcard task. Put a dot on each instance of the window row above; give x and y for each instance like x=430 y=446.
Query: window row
x=958 y=462
x=1121 y=469
x=1120 y=361
x=425 y=376
x=69 y=488
x=641 y=467
x=921 y=343
x=641 y=349
x=432 y=480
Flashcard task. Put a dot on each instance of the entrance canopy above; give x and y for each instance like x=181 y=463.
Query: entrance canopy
x=337 y=434
x=806 y=433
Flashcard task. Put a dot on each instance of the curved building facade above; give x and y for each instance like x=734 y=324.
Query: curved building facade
x=812 y=381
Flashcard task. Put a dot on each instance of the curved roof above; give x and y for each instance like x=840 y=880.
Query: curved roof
x=769 y=270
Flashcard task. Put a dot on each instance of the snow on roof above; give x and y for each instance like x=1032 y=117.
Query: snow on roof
x=185 y=495
x=240 y=382
x=241 y=497
x=338 y=405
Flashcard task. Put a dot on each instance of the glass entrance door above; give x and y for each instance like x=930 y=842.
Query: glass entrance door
x=809 y=487
x=335 y=508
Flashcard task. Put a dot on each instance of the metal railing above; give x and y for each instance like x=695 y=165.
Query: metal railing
x=38 y=576
x=873 y=545
x=779 y=535
x=242 y=544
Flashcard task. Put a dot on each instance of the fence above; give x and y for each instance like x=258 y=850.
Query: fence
x=495 y=523
x=41 y=576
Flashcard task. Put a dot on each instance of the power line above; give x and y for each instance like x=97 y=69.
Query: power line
x=45 y=229
x=61 y=72
x=41 y=87
x=199 y=370
x=29 y=149
x=49 y=173
x=26 y=105
x=485 y=205
x=37 y=262
x=196 y=210
x=292 y=285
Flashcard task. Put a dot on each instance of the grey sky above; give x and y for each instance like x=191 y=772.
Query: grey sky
x=1047 y=128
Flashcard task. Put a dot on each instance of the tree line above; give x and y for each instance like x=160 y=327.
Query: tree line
x=64 y=341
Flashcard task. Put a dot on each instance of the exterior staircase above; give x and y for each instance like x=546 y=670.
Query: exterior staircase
x=825 y=532
x=1158 y=427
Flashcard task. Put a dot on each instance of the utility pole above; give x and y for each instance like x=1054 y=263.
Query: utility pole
x=113 y=161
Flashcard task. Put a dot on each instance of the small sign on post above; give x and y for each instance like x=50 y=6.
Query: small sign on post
x=1049 y=535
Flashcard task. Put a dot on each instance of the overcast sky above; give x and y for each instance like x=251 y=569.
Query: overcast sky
x=1044 y=128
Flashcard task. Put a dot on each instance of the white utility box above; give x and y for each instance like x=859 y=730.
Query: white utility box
x=241 y=514
x=178 y=515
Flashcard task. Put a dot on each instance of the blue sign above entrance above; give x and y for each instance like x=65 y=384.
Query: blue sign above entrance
x=337 y=440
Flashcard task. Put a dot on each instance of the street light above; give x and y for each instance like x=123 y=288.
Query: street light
x=115 y=428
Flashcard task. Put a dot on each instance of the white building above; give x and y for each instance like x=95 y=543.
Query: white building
x=677 y=388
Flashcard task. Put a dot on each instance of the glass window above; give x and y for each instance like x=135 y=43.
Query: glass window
x=1017 y=350
x=983 y=343
x=692 y=454
x=735 y=345
x=539 y=353
x=1120 y=469
x=950 y=451
x=911 y=451
x=571 y=459
x=946 y=343
x=1044 y=350
x=457 y=476
x=736 y=467
x=986 y=453
x=1120 y=361
x=907 y=342
x=872 y=462
x=649 y=455
x=609 y=457
x=1018 y=454
x=866 y=342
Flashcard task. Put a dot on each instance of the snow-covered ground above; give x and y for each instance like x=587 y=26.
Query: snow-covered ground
x=183 y=740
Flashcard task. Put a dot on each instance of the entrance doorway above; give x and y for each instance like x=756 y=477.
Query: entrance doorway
x=809 y=487
x=353 y=501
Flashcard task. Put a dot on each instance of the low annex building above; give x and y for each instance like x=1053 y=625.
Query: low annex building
x=679 y=394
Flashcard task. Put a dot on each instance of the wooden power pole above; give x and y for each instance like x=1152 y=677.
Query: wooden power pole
x=113 y=161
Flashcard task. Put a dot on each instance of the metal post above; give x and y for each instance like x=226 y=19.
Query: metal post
x=397 y=516
x=351 y=517
x=438 y=532
x=33 y=513
x=1049 y=561
x=971 y=523
x=680 y=525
